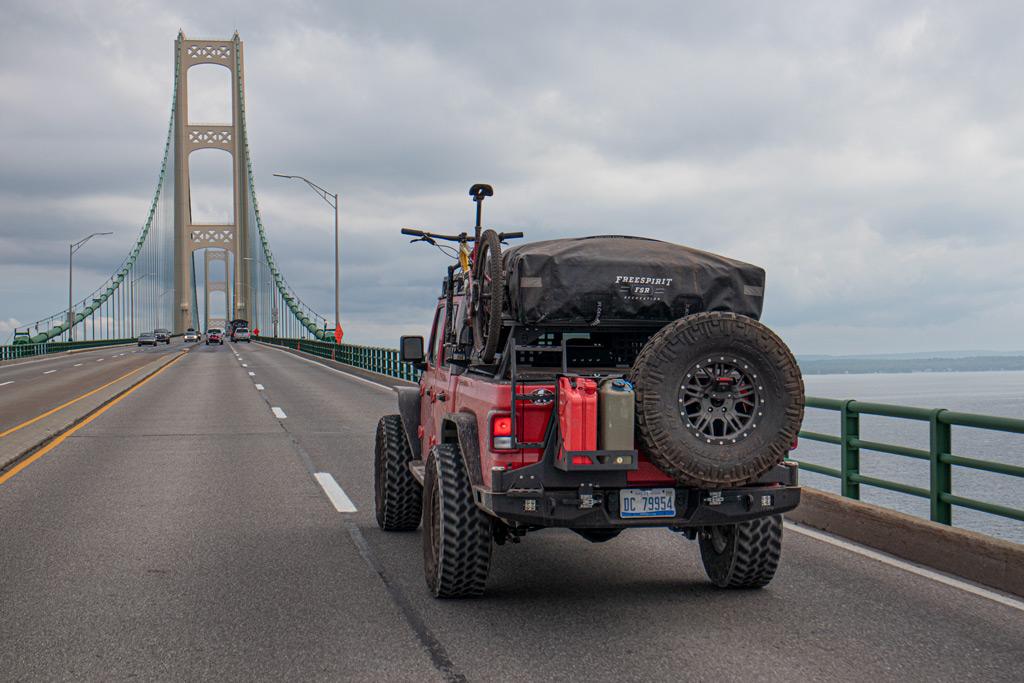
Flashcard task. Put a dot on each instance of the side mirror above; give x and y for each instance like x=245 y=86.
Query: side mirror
x=410 y=350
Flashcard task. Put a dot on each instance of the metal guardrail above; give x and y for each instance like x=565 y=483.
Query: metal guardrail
x=377 y=359
x=11 y=351
x=939 y=454
x=385 y=361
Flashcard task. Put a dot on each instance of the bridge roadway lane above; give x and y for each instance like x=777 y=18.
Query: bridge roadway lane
x=33 y=386
x=181 y=535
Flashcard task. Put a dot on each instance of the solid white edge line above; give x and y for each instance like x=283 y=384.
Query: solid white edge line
x=259 y=387
x=49 y=371
x=337 y=496
x=884 y=558
x=278 y=413
x=384 y=387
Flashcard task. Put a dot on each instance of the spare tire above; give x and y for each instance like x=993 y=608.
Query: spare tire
x=719 y=399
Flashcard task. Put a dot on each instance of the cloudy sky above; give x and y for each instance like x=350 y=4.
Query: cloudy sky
x=869 y=155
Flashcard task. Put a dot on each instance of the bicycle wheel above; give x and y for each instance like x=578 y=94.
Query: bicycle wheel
x=488 y=296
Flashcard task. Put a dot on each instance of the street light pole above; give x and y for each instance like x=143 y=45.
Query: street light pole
x=327 y=197
x=72 y=248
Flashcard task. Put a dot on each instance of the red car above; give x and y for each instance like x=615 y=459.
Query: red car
x=612 y=400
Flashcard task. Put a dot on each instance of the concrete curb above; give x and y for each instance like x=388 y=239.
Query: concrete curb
x=989 y=561
x=24 y=442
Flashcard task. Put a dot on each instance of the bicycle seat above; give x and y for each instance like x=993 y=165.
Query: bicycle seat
x=481 y=190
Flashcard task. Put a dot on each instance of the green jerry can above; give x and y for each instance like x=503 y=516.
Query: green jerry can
x=615 y=406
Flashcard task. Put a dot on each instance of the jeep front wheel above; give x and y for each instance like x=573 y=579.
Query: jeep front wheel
x=743 y=555
x=397 y=494
x=456 y=533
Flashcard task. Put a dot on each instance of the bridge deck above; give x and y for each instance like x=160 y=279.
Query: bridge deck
x=181 y=535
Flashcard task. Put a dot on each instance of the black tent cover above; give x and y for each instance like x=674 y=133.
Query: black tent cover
x=620 y=280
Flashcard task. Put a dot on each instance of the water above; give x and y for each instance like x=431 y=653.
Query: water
x=990 y=393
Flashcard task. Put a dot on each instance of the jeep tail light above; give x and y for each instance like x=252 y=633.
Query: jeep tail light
x=796 y=442
x=501 y=432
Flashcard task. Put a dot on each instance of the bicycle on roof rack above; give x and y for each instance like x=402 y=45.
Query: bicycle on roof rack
x=479 y=276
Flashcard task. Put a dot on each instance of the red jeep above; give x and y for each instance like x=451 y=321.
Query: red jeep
x=597 y=384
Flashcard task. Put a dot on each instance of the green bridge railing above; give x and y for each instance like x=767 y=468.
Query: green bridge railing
x=377 y=359
x=939 y=454
x=11 y=351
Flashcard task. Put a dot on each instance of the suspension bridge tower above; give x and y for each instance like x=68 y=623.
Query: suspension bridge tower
x=221 y=242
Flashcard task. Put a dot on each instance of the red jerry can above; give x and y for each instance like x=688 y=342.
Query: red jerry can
x=577 y=414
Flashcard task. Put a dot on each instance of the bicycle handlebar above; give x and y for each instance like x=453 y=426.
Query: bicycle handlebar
x=434 y=235
x=502 y=236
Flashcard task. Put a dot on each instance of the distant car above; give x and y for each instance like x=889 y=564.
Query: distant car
x=214 y=336
x=162 y=335
x=191 y=335
x=241 y=334
x=147 y=339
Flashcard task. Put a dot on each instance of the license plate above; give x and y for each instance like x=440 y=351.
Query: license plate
x=647 y=503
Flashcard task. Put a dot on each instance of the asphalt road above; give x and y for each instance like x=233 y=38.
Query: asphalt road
x=33 y=386
x=182 y=535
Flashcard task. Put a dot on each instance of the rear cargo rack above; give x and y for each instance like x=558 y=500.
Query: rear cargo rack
x=512 y=351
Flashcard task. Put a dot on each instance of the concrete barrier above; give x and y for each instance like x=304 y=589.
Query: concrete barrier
x=967 y=554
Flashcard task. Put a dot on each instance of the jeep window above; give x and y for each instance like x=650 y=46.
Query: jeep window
x=432 y=350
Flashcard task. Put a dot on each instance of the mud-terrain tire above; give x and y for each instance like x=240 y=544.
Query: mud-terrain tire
x=489 y=296
x=743 y=555
x=747 y=432
x=398 y=497
x=456 y=533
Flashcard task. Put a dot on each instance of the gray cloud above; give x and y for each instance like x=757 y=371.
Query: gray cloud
x=869 y=155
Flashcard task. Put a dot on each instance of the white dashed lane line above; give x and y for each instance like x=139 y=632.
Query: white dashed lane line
x=252 y=374
x=49 y=371
x=244 y=365
x=98 y=360
x=4 y=384
x=278 y=413
x=259 y=387
x=79 y=364
x=337 y=496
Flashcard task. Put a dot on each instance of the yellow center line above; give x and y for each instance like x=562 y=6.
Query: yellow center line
x=37 y=418
x=60 y=439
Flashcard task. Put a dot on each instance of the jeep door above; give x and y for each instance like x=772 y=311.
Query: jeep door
x=434 y=384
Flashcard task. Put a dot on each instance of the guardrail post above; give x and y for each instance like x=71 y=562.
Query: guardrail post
x=849 y=456
x=940 y=442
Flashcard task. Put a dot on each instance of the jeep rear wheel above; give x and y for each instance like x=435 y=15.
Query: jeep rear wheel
x=719 y=399
x=397 y=495
x=456 y=533
x=743 y=555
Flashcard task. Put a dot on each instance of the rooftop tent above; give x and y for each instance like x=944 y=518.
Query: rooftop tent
x=620 y=280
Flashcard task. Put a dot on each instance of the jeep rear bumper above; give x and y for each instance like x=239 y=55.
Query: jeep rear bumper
x=595 y=508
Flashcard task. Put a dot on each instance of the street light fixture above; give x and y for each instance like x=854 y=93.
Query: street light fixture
x=72 y=248
x=327 y=197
